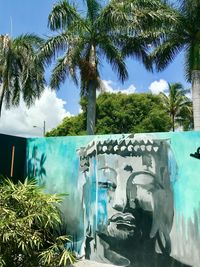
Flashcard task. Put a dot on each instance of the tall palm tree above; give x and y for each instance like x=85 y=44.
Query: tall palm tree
x=184 y=35
x=21 y=71
x=175 y=103
x=102 y=32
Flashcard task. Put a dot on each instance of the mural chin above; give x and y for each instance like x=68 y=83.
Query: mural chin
x=120 y=230
x=131 y=227
x=123 y=226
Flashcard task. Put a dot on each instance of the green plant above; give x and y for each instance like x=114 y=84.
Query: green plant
x=29 y=219
x=21 y=70
x=177 y=105
x=183 y=36
x=119 y=113
x=113 y=31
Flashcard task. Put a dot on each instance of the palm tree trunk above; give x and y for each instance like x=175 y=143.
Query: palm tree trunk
x=1 y=96
x=91 y=108
x=173 y=123
x=196 y=98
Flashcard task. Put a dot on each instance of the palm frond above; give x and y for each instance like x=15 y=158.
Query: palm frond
x=137 y=47
x=32 y=81
x=111 y=17
x=166 y=52
x=53 y=46
x=93 y=9
x=28 y=40
x=68 y=65
x=140 y=15
x=175 y=100
x=190 y=8
x=61 y=71
x=114 y=57
x=62 y=16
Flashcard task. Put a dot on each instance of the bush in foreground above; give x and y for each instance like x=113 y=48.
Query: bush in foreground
x=29 y=220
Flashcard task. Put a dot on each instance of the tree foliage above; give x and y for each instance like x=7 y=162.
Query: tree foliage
x=85 y=38
x=29 y=223
x=183 y=36
x=120 y=113
x=21 y=70
x=177 y=105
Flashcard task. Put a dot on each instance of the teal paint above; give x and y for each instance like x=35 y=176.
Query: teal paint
x=91 y=213
x=186 y=188
x=93 y=170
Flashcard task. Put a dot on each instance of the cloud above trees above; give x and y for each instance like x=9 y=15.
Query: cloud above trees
x=20 y=120
x=157 y=87
x=109 y=86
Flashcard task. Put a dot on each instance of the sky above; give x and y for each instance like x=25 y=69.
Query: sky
x=30 y=16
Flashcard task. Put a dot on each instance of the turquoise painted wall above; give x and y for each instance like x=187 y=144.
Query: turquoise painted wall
x=133 y=200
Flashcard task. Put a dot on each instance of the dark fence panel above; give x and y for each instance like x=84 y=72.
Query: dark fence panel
x=12 y=156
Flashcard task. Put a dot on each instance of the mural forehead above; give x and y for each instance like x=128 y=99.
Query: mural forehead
x=131 y=205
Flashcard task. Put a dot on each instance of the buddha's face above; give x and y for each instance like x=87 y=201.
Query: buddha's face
x=129 y=185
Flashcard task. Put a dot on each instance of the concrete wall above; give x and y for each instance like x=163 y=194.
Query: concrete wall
x=134 y=200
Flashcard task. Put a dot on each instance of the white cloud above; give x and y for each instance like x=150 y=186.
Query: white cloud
x=130 y=90
x=189 y=95
x=80 y=110
x=109 y=87
x=157 y=87
x=20 y=120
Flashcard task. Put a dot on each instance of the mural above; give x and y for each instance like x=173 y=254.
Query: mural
x=133 y=199
x=35 y=166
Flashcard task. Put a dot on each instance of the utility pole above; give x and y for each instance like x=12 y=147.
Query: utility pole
x=44 y=128
x=41 y=128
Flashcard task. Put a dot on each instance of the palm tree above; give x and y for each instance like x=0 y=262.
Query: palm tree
x=21 y=71
x=184 y=35
x=102 y=32
x=175 y=103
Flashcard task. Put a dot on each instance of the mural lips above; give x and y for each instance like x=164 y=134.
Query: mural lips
x=124 y=221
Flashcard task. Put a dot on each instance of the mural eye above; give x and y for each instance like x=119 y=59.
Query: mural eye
x=108 y=185
x=111 y=186
x=128 y=168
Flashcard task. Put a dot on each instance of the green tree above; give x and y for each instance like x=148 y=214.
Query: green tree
x=29 y=223
x=120 y=113
x=21 y=71
x=176 y=104
x=75 y=125
x=102 y=32
x=184 y=35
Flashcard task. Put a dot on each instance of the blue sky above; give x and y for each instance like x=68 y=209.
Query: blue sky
x=30 y=16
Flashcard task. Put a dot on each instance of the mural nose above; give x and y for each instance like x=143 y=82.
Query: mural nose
x=120 y=200
x=119 y=204
x=118 y=207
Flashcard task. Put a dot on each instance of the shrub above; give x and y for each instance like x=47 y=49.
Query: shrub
x=29 y=219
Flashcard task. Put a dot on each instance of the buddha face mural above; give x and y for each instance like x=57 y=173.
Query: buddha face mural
x=130 y=222
x=130 y=186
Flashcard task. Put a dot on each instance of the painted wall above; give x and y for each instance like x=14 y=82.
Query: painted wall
x=133 y=200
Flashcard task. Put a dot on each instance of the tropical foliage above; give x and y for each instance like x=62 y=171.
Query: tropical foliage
x=120 y=113
x=21 y=71
x=184 y=35
x=29 y=224
x=102 y=32
x=177 y=105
